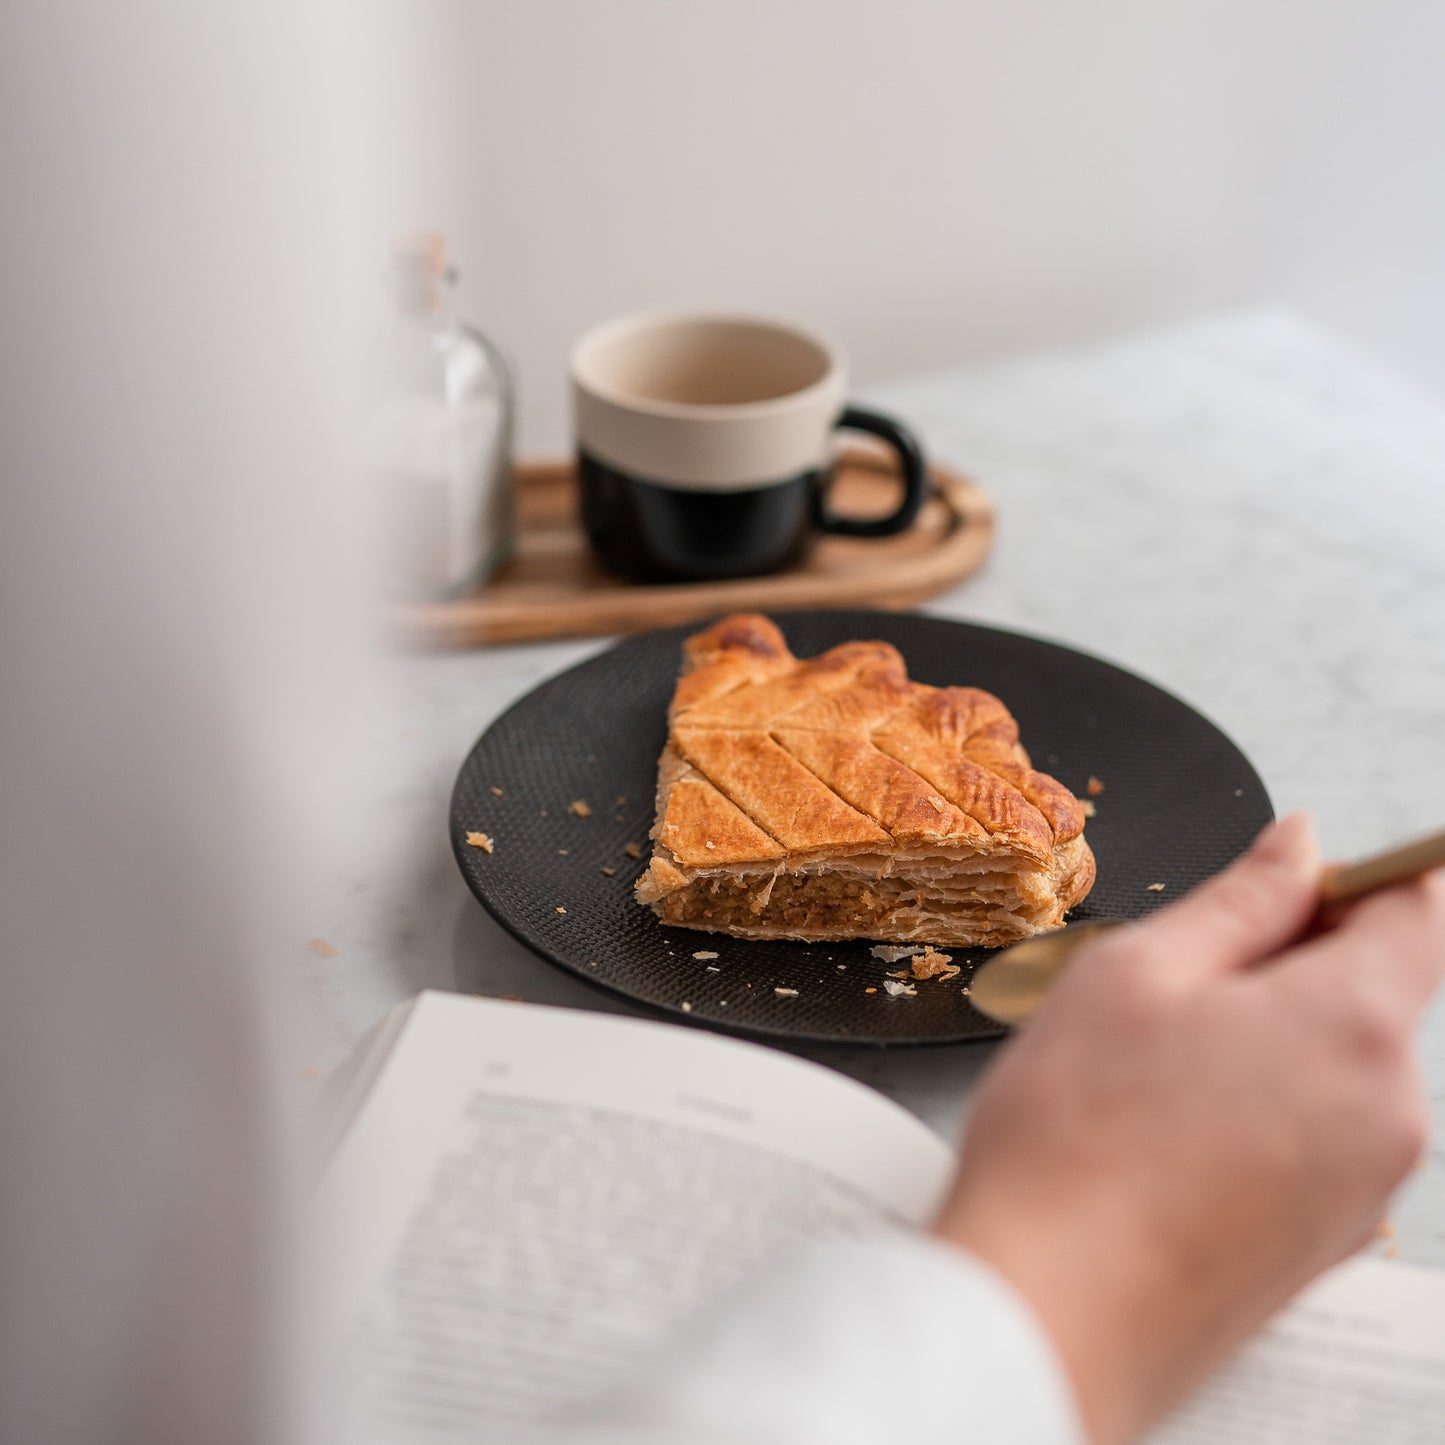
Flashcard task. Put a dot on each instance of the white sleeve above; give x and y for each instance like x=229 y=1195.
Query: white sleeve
x=888 y=1337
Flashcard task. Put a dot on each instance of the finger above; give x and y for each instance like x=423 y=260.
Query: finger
x=1387 y=954
x=1254 y=908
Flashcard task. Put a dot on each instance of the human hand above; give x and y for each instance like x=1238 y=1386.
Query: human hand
x=1207 y=1113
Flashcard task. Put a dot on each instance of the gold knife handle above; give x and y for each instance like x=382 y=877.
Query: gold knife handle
x=1346 y=882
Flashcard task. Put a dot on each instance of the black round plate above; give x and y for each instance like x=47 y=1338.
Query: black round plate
x=1179 y=802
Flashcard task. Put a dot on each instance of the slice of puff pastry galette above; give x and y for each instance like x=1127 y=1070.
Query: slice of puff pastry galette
x=833 y=798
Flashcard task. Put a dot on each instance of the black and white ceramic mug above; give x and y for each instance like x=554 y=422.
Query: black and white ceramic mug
x=704 y=445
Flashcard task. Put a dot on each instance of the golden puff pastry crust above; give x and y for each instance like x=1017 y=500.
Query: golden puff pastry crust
x=834 y=798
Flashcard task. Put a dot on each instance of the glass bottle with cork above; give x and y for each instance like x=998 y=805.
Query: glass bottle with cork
x=440 y=441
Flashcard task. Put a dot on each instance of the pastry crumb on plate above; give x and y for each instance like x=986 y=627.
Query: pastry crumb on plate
x=891 y=953
x=933 y=964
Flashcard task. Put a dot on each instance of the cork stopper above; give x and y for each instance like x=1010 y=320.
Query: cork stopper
x=419 y=270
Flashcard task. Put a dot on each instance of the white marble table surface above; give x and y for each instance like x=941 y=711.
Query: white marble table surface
x=1241 y=509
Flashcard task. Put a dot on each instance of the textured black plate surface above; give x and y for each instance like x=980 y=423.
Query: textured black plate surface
x=1179 y=802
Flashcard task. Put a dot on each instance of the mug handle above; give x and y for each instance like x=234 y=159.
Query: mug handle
x=912 y=467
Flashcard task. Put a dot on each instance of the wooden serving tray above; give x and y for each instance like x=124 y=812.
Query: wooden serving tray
x=556 y=588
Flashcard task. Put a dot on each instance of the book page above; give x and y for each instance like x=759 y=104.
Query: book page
x=1358 y=1359
x=530 y=1196
x=351 y=1083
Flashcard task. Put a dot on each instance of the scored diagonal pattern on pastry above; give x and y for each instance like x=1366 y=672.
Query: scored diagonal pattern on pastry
x=835 y=798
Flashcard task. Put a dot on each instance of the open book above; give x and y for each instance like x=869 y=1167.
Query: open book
x=533 y=1196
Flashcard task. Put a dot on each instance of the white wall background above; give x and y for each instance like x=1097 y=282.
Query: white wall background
x=933 y=181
